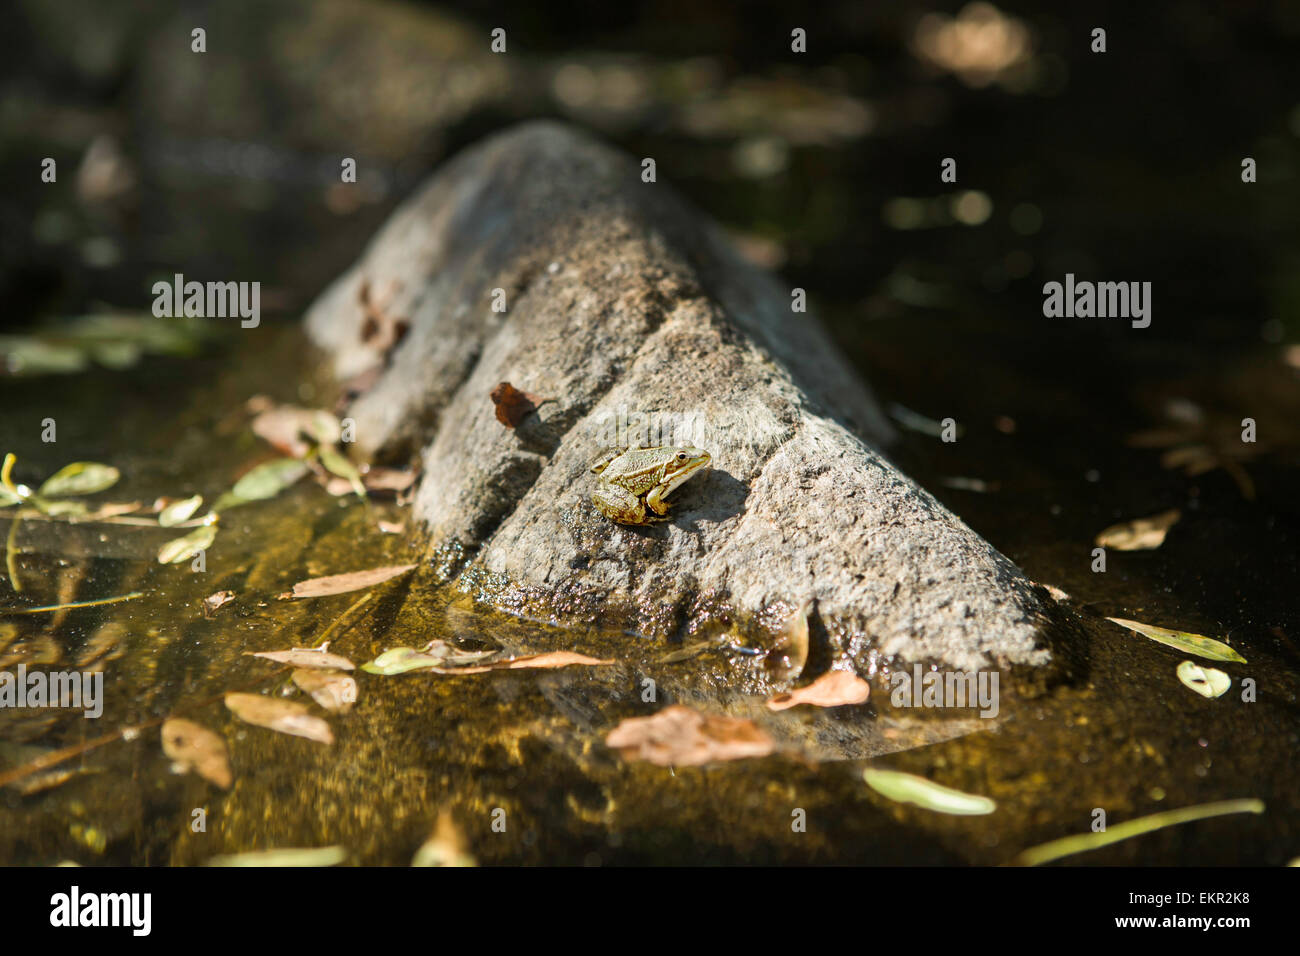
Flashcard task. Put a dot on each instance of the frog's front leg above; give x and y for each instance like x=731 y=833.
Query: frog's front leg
x=656 y=503
x=619 y=504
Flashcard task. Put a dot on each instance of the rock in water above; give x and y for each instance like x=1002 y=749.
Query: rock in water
x=628 y=309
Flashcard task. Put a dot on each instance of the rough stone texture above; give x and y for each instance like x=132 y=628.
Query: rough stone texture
x=620 y=296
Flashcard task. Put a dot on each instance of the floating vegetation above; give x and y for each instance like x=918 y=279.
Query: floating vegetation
x=1206 y=681
x=74 y=480
x=441 y=658
x=343 y=583
x=113 y=340
x=317 y=856
x=179 y=511
x=1080 y=843
x=182 y=549
x=909 y=788
x=1206 y=647
x=1141 y=534
x=72 y=604
x=307 y=657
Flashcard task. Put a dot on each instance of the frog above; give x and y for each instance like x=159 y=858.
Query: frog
x=634 y=482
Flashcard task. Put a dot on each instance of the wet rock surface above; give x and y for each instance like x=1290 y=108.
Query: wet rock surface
x=624 y=307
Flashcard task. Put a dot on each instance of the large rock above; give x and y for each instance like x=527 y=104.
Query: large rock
x=622 y=300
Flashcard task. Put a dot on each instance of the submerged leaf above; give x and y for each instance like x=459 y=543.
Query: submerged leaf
x=79 y=478
x=307 y=657
x=787 y=659
x=187 y=546
x=284 y=716
x=832 y=689
x=215 y=601
x=1206 y=647
x=401 y=660
x=909 y=788
x=351 y=581
x=1141 y=534
x=193 y=747
x=1206 y=681
x=332 y=689
x=680 y=736
x=179 y=511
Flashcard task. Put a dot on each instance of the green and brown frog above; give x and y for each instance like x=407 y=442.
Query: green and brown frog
x=634 y=482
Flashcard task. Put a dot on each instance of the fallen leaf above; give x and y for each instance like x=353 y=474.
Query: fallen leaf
x=445 y=848
x=1141 y=534
x=190 y=746
x=446 y=660
x=215 y=601
x=1206 y=647
x=1206 y=681
x=79 y=478
x=680 y=736
x=909 y=788
x=284 y=427
x=512 y=405
x=1079 y=843
x=379 y=330
x=183 y=548
x=283 y=716
x=306 y=657
x=313 y=856
x=334 y=690
x=392 y=527
x=265 y=481
x=832 y=689
x=178 y=511
x=350 y=581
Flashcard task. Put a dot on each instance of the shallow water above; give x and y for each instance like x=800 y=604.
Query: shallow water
x=1112 y=729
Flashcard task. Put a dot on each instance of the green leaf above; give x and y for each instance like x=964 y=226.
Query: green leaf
x=57 y=509
x=908 y=788
x=317 y=856
x=1206 y=647
x=337 y=463
x=1206 y=681
x=7 y=497
x=269 y=479
x=79 y=478
x=179 y=511
x=1079 y=843
x=186 y=547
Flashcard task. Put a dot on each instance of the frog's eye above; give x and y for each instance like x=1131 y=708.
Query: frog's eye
x=681 y=456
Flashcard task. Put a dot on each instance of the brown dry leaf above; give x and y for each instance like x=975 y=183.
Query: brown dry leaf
x=311 y=657
x=787 y=658
x=832 y=689
x=392 y=527
x=190 y=746
x=512 y=405
x=332 y=689
x=343 y=583
x=379 y=330
x=1141 y=534
x=679 y=736
x=215 y=601
x=283 y=716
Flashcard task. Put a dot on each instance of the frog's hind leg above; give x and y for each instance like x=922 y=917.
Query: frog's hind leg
x=620 y=505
